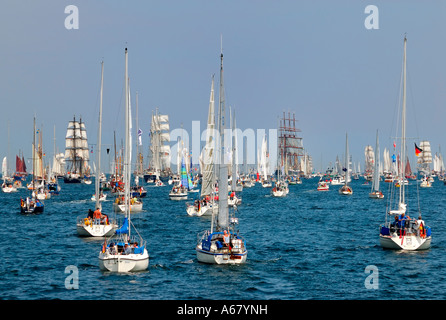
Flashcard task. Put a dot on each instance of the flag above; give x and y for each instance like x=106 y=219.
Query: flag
x=417 y=150
x=139 y=136
x=394 y=144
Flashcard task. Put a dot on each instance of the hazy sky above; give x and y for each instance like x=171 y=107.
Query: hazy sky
x=314 y=58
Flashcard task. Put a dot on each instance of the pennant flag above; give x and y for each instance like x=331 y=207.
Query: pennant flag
x=394 y=144
x=139 y=136
x=417 y=150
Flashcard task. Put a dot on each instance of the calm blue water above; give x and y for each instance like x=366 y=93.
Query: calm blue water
x=309 y=245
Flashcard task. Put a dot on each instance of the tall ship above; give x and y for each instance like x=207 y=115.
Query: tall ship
x=424 y=158
x=76 y=152
x=290 y=146
x=159 y=167
x=369 y=162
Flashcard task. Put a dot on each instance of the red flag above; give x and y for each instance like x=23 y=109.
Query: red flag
x=394 y=144
x=417 y=150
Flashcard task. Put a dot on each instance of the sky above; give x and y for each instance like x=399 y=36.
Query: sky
x=314 y=58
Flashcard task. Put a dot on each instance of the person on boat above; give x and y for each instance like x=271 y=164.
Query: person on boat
x=127 y=249
x=394 y=225
x=97 y=216
x=226 y=239
x=420 y=226
x=112 y=249
x=402 y=222
x=90 y=214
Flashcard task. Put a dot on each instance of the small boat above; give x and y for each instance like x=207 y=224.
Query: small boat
x=322 y=186
x=123 y=252
x=346 y=189
x=425 y=182
x=280 y=189
x=8 y=183
x=102 y=197
x=223 y=245
x=178 y=192
x=376 y=193
x=97 y=224
x=31 y=206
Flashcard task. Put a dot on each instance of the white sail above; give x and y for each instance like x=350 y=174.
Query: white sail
x=208 y=151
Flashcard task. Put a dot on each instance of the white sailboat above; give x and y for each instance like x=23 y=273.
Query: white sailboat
x=403 y=233
x=122 y=253
x=235 y=186
x=119 y=205
x=8 y=185
x=376 y=193
x=223 y=245
x=346 y=189
x=264 y=165
x=203 y=206
x=32 y=205
x=99 y=225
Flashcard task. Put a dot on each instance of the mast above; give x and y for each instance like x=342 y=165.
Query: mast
x=127 y=141
x=34 y=156
x=403 y=126
x=223 y=218
x=98 y=154
x=375 y=185
x=346 y=160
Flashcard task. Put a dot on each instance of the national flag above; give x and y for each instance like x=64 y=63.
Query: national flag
x=417 y=150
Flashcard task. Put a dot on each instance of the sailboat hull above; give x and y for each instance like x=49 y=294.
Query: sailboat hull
x=95 y=230
x=410 y=243
x=376 y=195
x=222 y=257
x=120 y=208
x=123 y=263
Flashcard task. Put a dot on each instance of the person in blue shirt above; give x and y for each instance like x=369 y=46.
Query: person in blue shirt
x=402 y=219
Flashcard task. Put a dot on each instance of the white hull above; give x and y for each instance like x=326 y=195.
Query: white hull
x=102 y=198
x=178 y=196
x=137 y=207
x=220 y=257
x=203 y=211
x=408 y=242
x=9 y=189
x=234 y=202
x=123 y=263
x=347 y=191
x=95 y=230
x=376 y=195
x=279 y=193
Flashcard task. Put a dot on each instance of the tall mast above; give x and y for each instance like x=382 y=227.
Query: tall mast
x=403 y=125
x=127 y=141
x=98 y=152
x=223 y=218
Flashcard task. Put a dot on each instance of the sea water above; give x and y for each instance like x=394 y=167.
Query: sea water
x=308 y=245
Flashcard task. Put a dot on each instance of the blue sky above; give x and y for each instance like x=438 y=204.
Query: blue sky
x=314 y=58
